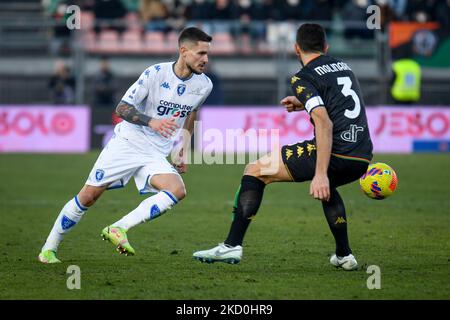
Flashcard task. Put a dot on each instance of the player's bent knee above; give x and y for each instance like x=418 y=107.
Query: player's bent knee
x=252 y=169
x=86 y=199
x=178 y=191
x=89 y=195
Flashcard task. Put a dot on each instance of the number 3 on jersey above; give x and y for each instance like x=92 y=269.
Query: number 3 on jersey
x=346 y=82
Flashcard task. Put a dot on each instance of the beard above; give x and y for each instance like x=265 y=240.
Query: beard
x=193 y=70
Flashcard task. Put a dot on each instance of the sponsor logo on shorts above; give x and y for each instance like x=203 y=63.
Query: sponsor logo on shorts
x=99 y=174
x=300 y=151
x=289 y=153
x=310 y=148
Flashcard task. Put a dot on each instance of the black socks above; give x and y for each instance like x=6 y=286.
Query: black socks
x=337 y=221
x=247 y=201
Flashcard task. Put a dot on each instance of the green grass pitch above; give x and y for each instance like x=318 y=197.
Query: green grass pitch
x=286 y=250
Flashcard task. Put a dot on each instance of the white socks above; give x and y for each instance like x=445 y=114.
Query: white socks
x=149 y=209
x=70 y=214
x=73 y=211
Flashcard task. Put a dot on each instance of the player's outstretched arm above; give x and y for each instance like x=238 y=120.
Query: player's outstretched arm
x=320 y=185
x=165 y=127
x=292 y=104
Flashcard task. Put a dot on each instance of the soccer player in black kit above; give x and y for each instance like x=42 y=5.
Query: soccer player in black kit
x=340 y=152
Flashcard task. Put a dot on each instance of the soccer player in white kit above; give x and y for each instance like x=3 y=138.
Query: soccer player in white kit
x=164 y=99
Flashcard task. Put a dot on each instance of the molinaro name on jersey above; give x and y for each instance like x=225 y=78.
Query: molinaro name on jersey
x=333 y=67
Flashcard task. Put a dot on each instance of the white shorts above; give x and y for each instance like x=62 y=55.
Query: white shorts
x=120 y=160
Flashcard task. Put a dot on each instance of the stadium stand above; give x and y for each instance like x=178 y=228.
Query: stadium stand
x=252 y=48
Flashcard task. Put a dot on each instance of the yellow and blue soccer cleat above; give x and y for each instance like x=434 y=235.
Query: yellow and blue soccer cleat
x=48 y=256
x=118 y=237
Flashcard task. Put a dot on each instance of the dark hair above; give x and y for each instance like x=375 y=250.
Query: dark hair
x=311 y=37
x=193 y=34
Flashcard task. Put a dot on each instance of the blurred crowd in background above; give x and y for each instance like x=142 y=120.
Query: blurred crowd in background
x=130 y=31
x=252 y=15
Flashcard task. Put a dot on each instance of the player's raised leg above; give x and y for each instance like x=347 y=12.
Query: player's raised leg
x=69 y=216
x=257 y=175
x=172 y=190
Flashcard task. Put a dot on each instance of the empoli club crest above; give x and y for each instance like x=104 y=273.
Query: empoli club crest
x=99 y=174
x=181 y=88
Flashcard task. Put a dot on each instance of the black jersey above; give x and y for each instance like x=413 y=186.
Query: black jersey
x=326 y=81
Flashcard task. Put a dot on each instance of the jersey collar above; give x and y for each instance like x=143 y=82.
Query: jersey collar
x=182 y=79
x=315 y=58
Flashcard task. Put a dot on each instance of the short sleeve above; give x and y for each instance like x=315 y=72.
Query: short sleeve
x=207 y=93
x=306 y=93
x=138 y=92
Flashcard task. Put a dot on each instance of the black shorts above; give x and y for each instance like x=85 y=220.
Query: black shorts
x=300 y=161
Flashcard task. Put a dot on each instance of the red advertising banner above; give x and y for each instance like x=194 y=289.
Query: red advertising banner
x=403 y=129
x=58 y=129
x=392 y=129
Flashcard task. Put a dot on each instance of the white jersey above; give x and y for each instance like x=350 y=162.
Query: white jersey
x=160 y=93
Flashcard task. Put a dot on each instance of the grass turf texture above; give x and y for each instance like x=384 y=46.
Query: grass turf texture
x=286 y=250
